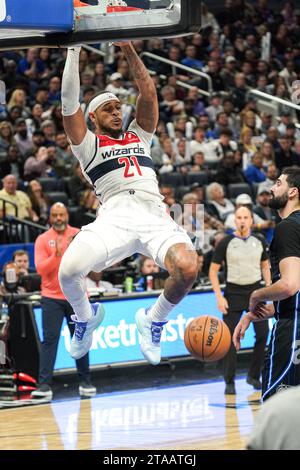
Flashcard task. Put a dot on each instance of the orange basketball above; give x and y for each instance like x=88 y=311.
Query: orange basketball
x=207 y=338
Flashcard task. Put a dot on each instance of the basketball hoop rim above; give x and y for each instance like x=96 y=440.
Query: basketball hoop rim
x=119 y=9
x=183 y=19
x=110 y=9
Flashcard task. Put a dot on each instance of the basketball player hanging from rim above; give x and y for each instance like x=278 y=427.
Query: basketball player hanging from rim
x=132 y=218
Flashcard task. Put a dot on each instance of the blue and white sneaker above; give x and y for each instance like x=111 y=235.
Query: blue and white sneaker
x=83 y=334
x=151 y=336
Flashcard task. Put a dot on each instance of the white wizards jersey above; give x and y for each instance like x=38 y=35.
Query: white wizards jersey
x=115 y=165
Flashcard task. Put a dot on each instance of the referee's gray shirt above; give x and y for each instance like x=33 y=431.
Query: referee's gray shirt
x=242 y=257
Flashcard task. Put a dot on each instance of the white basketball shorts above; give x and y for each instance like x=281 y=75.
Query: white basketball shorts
x=128 y=223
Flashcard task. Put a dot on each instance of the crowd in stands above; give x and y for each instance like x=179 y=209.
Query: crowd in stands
x=209 y=150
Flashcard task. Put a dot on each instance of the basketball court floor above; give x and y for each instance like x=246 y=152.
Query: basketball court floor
x=148 y=413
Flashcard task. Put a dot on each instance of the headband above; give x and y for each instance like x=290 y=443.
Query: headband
x=100 y=100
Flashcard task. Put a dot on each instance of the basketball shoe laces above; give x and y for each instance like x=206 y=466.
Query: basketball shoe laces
x=80 y=328
x=156 y=330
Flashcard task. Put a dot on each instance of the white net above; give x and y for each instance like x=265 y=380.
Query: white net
x=115 y=3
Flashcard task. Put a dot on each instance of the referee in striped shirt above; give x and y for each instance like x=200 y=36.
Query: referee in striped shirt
x=282 y=365
x=246 y=261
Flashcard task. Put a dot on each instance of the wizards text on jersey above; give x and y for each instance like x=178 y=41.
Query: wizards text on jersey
x=110 y=155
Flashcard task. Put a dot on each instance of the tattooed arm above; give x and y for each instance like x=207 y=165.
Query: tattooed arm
x=147 y=103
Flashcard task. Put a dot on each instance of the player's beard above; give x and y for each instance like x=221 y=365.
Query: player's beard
x=115 y=133
x=278 y=202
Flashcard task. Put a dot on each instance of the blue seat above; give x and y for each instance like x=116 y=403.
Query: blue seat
x=234 y=189
x=58 y=196
x=173 y=179
x=49 y=184
x=197 y=177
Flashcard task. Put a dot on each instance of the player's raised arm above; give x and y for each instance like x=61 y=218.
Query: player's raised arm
x=147 y=104
x=73 y=118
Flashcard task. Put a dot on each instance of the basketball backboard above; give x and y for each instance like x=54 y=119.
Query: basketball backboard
x=59 y=23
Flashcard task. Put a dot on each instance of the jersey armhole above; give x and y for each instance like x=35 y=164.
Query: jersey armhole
x=94 y=156
x=134 y=126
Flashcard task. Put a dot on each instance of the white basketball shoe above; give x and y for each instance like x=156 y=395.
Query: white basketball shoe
x=83 y=334
x=151 y=335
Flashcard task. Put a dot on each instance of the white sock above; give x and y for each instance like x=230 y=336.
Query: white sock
x=161 y=309
x=85 y=314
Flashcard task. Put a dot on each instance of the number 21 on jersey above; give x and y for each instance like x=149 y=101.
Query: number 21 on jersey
x=129 y=162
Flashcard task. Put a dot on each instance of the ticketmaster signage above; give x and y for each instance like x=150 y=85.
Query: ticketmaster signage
x=116 y=340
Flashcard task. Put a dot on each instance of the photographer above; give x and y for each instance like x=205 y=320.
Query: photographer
x=11 y=280
x=21 y=258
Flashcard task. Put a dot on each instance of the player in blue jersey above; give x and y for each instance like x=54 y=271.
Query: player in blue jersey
x=282 y=365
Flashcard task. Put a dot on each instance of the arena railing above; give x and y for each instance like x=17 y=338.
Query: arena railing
x=94 y=50
x=173 y=64
x=191 y=70
x=17 y=230
x=5 y=202
x=183 y=84
x=266 y=97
